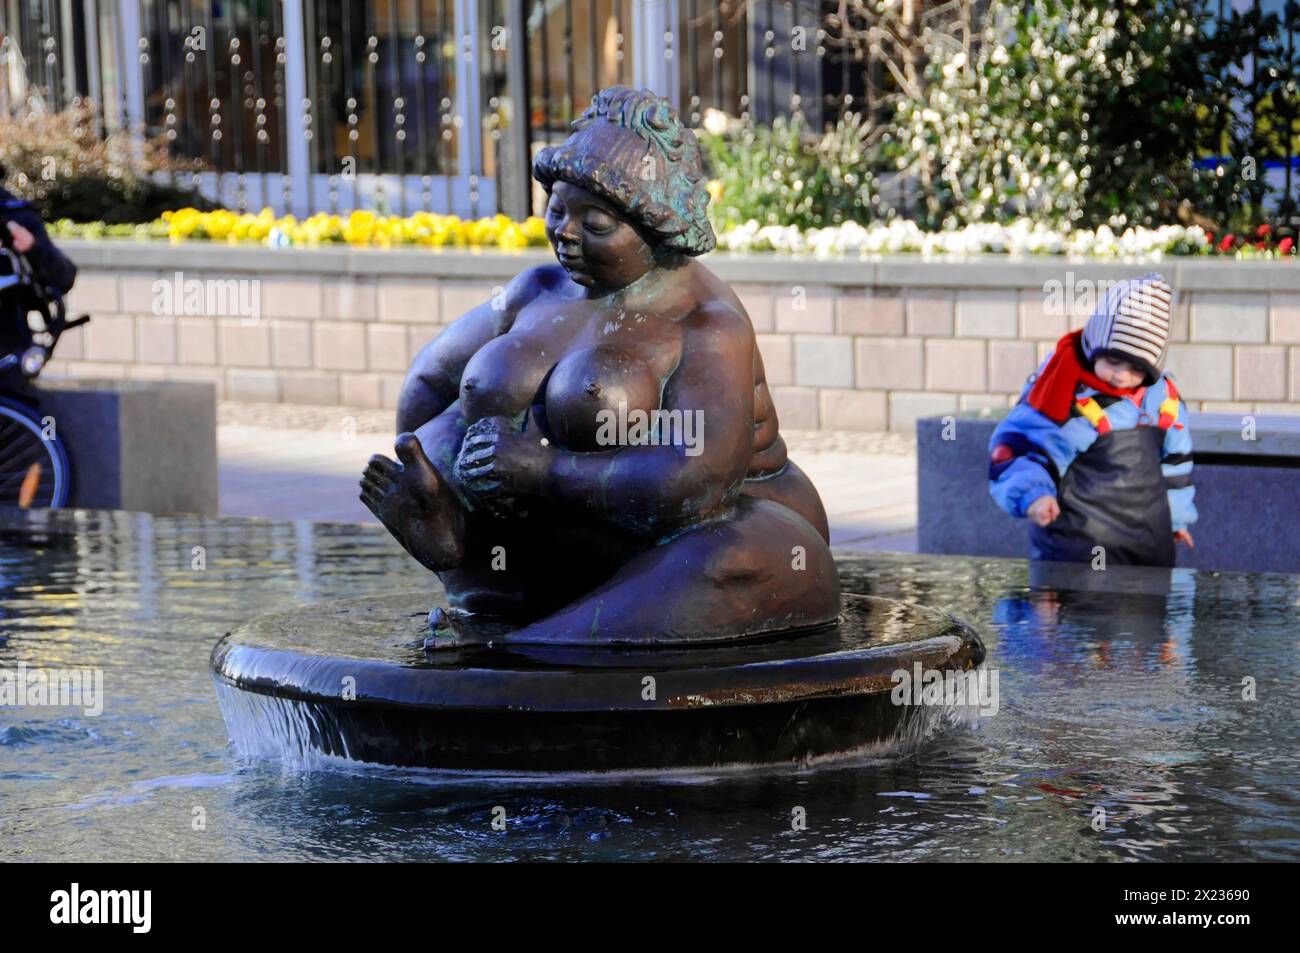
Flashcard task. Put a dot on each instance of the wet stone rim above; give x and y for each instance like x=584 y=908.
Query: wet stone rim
x=288 y=655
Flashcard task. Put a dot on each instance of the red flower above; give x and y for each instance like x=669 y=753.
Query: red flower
x=1226 y=244
x=1261 y=245
x=1262 y=231
x=1285 y=245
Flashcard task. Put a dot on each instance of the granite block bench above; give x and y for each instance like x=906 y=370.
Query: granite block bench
x=148 y=446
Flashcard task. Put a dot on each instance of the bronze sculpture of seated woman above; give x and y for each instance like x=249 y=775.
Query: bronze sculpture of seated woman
x=592 y=457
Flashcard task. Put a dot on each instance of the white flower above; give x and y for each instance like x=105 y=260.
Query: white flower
x=714 y=122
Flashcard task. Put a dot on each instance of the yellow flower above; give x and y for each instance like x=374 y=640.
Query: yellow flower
x=360 y=228
x=219 y=224
x=183 y=223
x=512 y=236
x=535 y=229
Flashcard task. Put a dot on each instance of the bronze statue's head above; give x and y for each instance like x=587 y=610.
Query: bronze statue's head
x=630 y=153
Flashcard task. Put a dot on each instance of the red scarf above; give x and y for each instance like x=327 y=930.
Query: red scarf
x=1053 y=393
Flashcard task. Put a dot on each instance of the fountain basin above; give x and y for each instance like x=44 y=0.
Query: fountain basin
x=1107 y=698
x=350 y=680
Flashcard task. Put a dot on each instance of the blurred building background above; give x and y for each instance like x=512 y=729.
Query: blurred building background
x=432 y=103
x=309 y=105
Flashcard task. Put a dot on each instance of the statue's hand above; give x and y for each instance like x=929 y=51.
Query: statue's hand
x=499 y=465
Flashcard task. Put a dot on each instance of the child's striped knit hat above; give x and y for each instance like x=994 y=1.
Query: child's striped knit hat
x=1132 y=323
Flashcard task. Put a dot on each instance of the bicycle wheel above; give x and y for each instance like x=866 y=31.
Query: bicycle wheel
x=34 y=471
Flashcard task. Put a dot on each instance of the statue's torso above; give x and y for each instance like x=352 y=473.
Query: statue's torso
x=558 y=331
x=510 y=373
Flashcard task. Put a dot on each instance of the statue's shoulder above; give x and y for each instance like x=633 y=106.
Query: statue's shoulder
x=523 y=289
x=721 y=316
x=535 y=282
x=532 y=284
x=716 y=295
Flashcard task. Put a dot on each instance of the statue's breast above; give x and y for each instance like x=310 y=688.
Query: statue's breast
x=594 y=392
x=504 y=376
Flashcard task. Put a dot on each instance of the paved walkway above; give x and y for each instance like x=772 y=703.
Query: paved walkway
x=287 y=462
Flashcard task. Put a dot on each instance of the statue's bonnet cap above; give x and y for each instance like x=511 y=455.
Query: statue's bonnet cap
x=631 y=149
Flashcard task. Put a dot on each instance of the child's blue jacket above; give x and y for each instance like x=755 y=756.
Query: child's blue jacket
x=1041 y=446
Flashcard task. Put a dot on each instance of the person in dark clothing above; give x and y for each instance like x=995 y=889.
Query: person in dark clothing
x=27 y=236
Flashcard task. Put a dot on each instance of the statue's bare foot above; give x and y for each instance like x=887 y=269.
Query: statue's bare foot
x=414 y=504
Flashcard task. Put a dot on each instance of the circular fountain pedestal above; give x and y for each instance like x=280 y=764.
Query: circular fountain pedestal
x=350 y=679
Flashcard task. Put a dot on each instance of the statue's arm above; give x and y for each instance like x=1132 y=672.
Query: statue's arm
x=433 y=382
x=652 y=489
x=769 y=454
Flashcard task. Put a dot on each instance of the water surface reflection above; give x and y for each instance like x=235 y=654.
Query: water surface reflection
x=1120 y=691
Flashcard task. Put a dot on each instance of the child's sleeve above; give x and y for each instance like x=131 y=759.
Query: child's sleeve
x=1176 y=464
x=1020 y=467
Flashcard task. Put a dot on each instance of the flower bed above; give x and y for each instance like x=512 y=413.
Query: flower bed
x=358 y=229
x=1018 y=238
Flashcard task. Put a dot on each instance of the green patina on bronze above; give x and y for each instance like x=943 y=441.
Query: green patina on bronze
x=631 y=149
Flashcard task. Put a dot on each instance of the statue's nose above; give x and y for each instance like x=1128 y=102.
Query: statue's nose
x=566 y=233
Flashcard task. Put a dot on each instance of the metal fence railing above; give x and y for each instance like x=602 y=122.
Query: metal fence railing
x=295 y=104
x=440 y=104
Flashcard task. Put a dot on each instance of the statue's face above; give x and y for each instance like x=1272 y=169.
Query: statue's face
x=596 y=245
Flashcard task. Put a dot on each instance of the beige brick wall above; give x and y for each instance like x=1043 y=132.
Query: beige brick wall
x=867 y=356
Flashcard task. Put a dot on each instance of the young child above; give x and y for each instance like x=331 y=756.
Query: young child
x=1097 y=451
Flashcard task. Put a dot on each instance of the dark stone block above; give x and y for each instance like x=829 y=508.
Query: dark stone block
x=956 y=515
x=148 y=446
x=1248 y=519
x=1247 y=494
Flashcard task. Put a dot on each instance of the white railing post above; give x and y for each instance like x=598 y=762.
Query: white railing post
x=469 y=140
x=653 y=21
x=67 y=51
x=90 y=36
x=129 y=66
x=295 y=93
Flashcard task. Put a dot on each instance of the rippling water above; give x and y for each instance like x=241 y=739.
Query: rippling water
x=1128 y=699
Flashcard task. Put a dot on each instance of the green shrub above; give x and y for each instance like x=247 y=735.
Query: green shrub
x=1083 y=112
x=60 y=164
x=784 y=174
